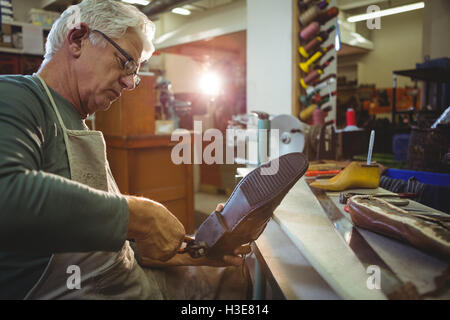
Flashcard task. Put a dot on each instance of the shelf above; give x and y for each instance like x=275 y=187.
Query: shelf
x=11 y=50
x=22 y=51
x=21 y=24
x=427 y=74
x=19 y=51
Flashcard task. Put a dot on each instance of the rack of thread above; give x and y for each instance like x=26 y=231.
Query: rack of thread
x=315 y=27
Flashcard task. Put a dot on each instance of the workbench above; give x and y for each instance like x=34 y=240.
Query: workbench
x=301 y=255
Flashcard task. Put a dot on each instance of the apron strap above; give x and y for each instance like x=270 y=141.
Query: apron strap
x=58 y=116
x=51 y=101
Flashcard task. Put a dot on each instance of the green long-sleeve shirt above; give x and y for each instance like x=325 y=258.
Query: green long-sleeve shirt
x=42 y=211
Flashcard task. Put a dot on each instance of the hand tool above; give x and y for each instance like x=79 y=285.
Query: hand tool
x=344 y=196
x=391 y=284
x=398 y=202
x=195 y=249
x=372 y=140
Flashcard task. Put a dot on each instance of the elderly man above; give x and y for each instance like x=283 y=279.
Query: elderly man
x=64 y=226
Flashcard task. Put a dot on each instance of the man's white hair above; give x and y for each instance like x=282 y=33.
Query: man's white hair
x=113 y=18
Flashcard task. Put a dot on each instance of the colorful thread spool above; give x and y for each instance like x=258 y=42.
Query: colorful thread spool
x=318 y=117
x=309 y=31
x=351 y=119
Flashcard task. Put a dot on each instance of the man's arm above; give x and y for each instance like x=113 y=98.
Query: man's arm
x=46 y=213
x=43 y=212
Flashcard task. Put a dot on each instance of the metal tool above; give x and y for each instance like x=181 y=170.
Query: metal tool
x=427 y=214
x=291 y=138
x=344 y=196
x=391 y=285
x=195 y=250
x=398 y=202
x=371 y=142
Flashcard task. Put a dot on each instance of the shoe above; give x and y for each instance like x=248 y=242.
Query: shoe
x=250 y=206
x=355 y=175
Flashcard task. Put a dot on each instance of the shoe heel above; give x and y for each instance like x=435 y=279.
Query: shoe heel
x=212 y=229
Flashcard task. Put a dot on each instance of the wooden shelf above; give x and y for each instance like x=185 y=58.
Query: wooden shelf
x=11 y=50
x=21 y=24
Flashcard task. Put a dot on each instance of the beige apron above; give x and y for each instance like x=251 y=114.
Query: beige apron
x=104 y=275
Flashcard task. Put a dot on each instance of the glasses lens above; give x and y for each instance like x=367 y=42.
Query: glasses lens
x=137 y=80
x=130 y=67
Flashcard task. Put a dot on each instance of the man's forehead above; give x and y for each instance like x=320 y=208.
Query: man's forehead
x=132 y=43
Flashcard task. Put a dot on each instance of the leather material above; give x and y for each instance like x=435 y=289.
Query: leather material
x=250 y=206
x=429 y=233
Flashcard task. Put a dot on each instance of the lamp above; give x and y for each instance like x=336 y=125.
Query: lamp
x=387 y=12
x=182 y=11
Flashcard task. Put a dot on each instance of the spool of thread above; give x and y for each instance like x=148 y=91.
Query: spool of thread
x=324 y=16
x=310 y=78
x=326 y=109
x=323 y=4
x=318 y=117
x=316 y=56
x=307 y=113
x=310 y=47
x=351 y=121
x=321 y=84
x=315 y=43
x=303 y=4
x=309 y=31
x=309 y=15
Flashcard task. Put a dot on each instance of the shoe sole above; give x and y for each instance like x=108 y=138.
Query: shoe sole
x=250 y=206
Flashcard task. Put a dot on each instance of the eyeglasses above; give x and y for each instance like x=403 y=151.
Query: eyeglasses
x=130 y=66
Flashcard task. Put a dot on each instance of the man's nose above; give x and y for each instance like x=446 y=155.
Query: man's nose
x=127 y=82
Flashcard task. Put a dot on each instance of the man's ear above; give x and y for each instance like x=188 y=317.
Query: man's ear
x=75 y=39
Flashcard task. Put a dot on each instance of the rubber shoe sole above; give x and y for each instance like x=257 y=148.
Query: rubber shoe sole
x=251 y=205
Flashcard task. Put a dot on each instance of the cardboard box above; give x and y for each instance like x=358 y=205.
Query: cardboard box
x=6 y=36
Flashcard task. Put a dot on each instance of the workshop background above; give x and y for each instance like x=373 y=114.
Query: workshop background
x=306 y=68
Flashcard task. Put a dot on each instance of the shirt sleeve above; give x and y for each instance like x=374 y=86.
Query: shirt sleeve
x=41 y=212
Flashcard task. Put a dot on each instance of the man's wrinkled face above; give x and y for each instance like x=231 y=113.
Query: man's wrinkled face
x=100 y=73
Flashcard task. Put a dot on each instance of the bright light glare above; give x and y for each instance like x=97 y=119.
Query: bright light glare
x=141 y=2
x=387 y=12
x=210 y=84
x=337 y=38
x=182 y=11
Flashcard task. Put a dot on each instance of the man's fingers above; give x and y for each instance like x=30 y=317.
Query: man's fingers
x=219 y=207
x=233 y=260
x=242 y=250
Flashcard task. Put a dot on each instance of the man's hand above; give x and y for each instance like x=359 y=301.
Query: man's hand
x=157 y=232
x=187 y=260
